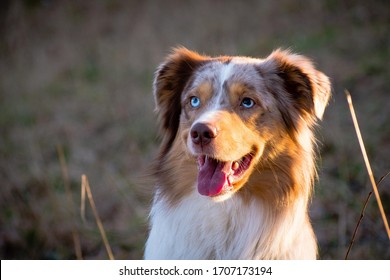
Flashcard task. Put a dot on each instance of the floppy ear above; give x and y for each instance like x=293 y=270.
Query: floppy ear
x=170 y=80
x=307 y=87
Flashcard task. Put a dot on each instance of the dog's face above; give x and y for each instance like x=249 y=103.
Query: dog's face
x=230 y=113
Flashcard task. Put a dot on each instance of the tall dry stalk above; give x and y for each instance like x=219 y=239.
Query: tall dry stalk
x=367 y=162
x=85 y=188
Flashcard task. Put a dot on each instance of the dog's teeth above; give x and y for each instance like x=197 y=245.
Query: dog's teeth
x=229 y=185
x=235 y=165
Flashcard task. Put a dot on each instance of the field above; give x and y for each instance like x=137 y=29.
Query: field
x=76 y=88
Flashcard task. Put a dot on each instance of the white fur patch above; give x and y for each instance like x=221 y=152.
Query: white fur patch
x=200 y=228
x=225 y=73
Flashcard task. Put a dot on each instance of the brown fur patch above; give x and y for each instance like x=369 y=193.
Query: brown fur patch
x=171 y=79
x=301 y=91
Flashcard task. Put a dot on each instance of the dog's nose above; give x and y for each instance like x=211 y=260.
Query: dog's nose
x=202 y=133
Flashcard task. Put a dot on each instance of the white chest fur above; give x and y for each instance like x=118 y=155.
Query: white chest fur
x=199 y=228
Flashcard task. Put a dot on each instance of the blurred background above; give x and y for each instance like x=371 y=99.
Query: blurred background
x=76 y=98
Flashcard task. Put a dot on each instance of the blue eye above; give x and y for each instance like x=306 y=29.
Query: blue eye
x=195 y=102
x=247 y=103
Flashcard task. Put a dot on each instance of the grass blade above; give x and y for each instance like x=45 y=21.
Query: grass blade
x=85 y=186
x=367 y=162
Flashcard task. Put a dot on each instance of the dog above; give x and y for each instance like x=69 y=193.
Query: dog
x=236 y=167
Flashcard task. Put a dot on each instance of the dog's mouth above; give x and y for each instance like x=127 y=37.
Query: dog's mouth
x=217 y=177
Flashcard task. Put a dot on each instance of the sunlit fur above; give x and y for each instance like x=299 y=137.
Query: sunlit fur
x=265 y=213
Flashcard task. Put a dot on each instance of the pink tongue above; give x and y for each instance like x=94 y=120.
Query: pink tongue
x=213 y=176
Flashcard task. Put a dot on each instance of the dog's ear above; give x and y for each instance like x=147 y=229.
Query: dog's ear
x=170 y=80
x=301 y=91
x=307 y=87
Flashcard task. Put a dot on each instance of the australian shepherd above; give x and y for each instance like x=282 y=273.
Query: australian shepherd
x=236 y=167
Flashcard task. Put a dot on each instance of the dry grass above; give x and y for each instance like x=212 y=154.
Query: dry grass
x=78 y=75
x=85 y=188
x=362 y=216
x=371 y=176
x=368 y=165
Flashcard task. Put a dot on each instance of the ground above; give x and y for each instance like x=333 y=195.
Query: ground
x=76 y=83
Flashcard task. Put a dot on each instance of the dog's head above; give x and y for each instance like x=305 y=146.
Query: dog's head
x=229 y=112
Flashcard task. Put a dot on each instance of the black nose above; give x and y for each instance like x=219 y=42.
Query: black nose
x=202 y=134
